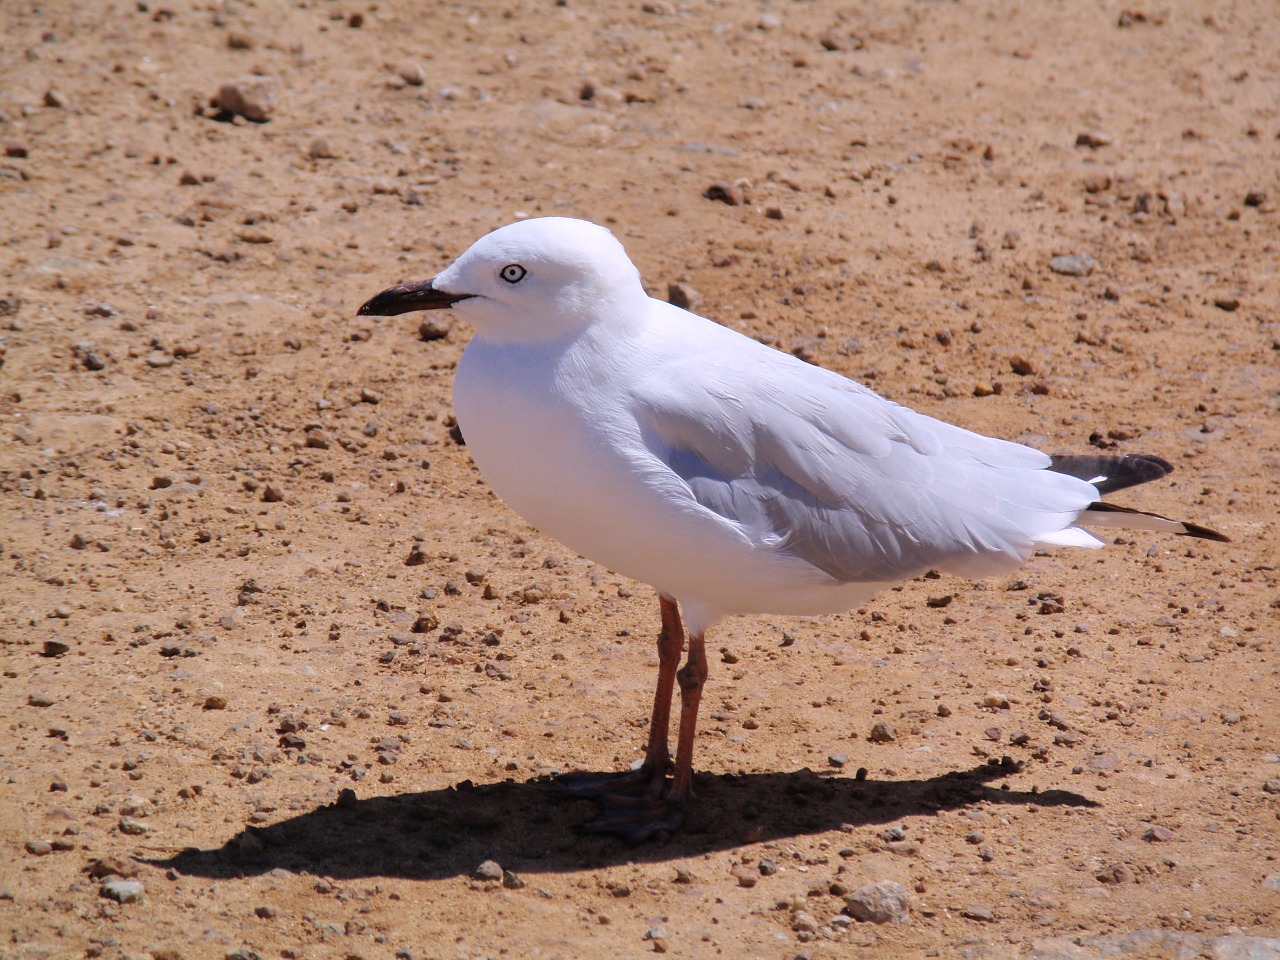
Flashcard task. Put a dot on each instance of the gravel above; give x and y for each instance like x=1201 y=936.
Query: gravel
x=123 y=891
x=488 y=870
x=250 y=96
x=1073 y=265
x=883 y=732
x=883 y=902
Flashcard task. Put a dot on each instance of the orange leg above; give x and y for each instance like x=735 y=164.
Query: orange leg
x=646 y=783
x=631 y=804
x=657 y=755
x=692 y=676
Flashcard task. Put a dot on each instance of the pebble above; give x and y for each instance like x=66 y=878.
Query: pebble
x=413 y=74
x=124 y=891
x=744 y=875
x=976 y=912
x=135 y=806
x=40 y=700
x=1093 y=139
x=1073 y=264
x=512 y=881
x=134 y=828
x=1116 y=873
x=432 y=329
x=683 y=296
x=1157 y=834
x=803 y=922
x=883 y=902
x=1152 y=942
x=251 y=97
x=883 y=732
x=725 y=192
x=768 y=866
x=489 y=870
x=321 y=149
x=215 y=702
x=1021 y=366
x=837 y=759
x=833 y=39
x=39 y=848
x=112 y=866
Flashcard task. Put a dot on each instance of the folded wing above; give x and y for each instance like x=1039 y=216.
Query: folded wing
x=857 y=486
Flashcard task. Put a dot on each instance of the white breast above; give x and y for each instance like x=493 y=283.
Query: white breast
x=572 y=463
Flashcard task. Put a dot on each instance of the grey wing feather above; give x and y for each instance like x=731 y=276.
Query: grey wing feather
x=859 y=487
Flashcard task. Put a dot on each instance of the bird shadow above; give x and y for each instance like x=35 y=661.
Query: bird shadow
x=448 y=832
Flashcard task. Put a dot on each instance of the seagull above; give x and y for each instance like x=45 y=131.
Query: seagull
x=733 y=478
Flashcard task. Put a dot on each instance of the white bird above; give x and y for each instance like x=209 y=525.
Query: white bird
x=733 y=478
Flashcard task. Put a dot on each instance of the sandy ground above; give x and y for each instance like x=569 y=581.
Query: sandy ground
x=224 y=678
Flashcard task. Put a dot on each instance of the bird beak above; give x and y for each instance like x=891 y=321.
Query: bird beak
x=407 y=297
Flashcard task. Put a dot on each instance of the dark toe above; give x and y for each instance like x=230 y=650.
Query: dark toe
x=636 y=820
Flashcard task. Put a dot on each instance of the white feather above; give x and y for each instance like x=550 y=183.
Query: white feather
x=732 y=477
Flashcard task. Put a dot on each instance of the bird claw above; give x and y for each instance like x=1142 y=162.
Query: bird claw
x=636 y=820
x=631 y=803
x=643 y=783
x=591 y=785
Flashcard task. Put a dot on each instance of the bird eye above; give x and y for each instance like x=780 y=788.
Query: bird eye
x=512 y=273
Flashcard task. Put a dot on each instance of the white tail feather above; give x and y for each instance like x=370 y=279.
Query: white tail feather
x=1070 y=537
x=1132 y=521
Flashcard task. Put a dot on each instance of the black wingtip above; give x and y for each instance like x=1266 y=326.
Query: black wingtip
x=1203 y=533
x=1108 y=473
x=1098 y=510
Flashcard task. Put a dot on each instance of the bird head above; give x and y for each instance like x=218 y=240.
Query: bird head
x=536 y=279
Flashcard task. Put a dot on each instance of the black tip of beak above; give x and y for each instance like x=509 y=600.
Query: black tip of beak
x=407 y=297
